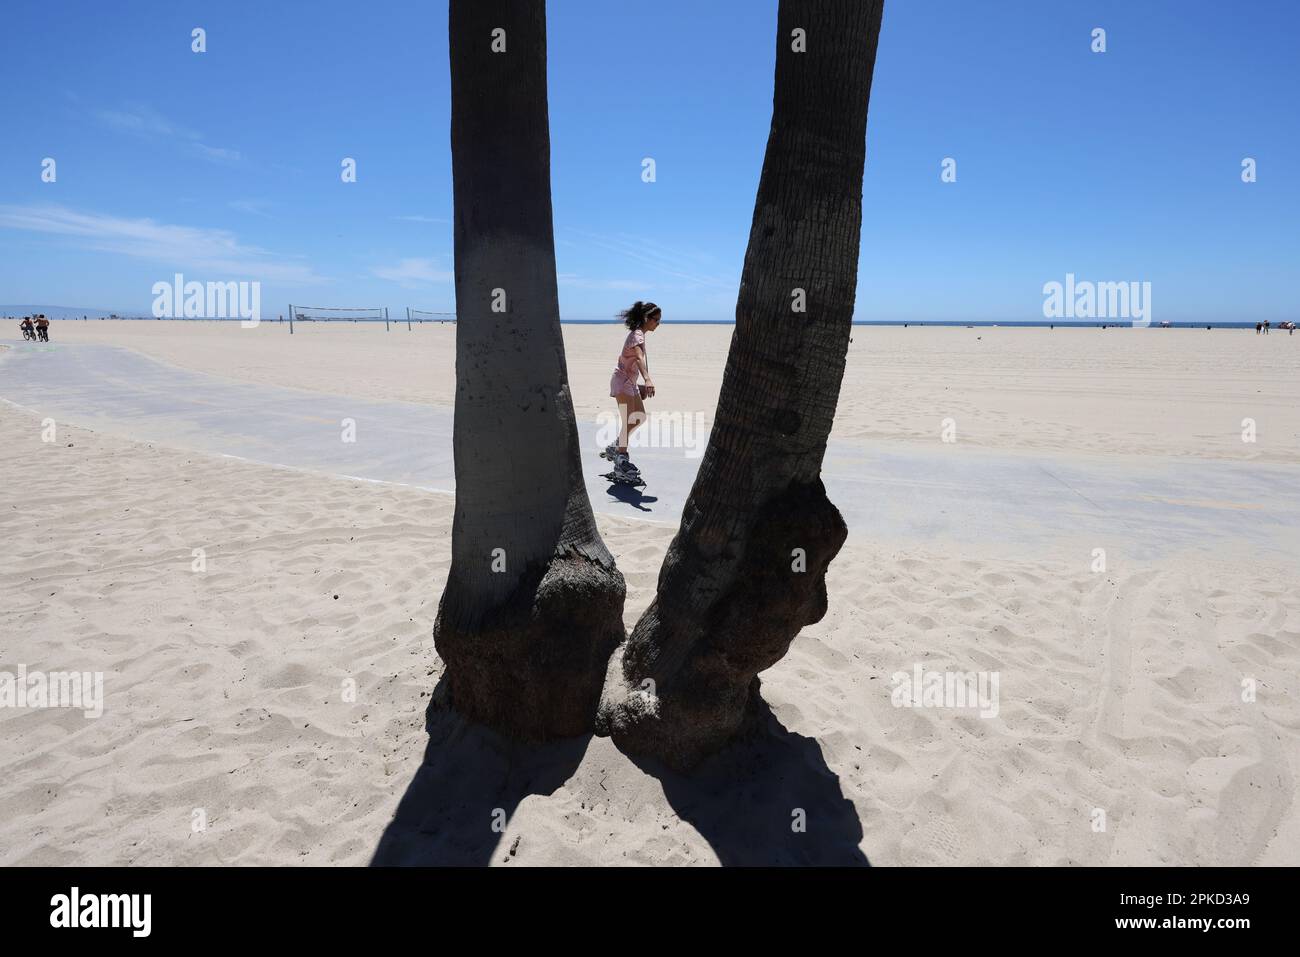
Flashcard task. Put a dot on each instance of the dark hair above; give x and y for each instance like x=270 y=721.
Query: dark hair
x=636 y=316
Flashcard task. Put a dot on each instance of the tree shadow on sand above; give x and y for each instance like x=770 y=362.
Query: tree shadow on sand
x=743 y=801
x=470 y=777
x=746 y=800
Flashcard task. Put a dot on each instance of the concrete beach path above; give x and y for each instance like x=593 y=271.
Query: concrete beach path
x=901 y=491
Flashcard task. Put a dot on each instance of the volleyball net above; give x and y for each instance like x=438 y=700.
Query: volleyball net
x=337 y=314
x=424 y=315
x=362 y=314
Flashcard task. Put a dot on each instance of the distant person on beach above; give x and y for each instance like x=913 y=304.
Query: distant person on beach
x=641 y=318
x=29 y=331
x=42 y=328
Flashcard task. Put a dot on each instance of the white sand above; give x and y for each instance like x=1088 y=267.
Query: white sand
x=1119 y=691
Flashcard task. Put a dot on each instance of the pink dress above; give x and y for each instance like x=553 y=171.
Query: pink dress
x=626 y=372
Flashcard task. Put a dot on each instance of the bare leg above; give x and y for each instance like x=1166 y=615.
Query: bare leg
x=631 y=412
x=621 y=442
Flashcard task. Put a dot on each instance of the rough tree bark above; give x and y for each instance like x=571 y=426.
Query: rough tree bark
x=533 y=604
x=747 y=569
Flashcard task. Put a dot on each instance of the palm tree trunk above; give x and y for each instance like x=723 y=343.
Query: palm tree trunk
x=747 y=569
x=533 y=605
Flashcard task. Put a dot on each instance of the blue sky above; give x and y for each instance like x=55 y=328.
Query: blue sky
x=1121 y=166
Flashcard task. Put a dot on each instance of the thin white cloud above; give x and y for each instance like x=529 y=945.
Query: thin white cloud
x=582 y=282
x=421 y=219
x=254 y=207
x=662 y=259
x=144 y=121
x=188 y=248
x=217 y=154
x=413 y=272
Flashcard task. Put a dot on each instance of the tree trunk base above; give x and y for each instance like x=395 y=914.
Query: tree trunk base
x=679 y=732
x=533 y=667
x=690 y=671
